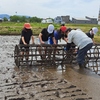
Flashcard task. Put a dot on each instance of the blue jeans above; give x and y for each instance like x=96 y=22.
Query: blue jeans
x=82 y=53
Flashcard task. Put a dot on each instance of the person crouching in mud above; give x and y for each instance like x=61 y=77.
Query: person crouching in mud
x=26 y=36
x=92 y=32
x=43 y=38
x=82 y=41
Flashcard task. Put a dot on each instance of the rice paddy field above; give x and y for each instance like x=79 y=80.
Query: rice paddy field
x=47 y=82
x=12 y=28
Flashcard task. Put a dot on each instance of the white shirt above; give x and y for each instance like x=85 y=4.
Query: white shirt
x=79 y=38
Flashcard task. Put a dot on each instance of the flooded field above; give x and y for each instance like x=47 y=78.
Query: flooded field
x=43 y=83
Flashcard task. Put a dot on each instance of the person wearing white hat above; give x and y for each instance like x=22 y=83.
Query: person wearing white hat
x=59 y=34
x=92 y=32
x=45 y=34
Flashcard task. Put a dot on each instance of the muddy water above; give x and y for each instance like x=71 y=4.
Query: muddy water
x=87 y=80
x=43 y=83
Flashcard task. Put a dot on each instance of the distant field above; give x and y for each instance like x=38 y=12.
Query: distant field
x=11 y=28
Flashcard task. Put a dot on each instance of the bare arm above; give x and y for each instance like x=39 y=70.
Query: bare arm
x=40 y=38
x=93 y=40
x=23 y=40
x=65 y=39
x=32 y=39
x=54 y=40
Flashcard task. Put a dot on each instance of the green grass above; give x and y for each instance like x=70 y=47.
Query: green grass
x=12 y=28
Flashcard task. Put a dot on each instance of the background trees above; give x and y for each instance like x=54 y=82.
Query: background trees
x=16 y=18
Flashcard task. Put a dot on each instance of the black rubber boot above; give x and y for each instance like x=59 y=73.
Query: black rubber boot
x=81 y=66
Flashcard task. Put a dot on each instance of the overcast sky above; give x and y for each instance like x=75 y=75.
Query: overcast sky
x=51 y=8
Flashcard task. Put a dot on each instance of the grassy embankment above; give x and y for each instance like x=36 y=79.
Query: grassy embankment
x=10 y=28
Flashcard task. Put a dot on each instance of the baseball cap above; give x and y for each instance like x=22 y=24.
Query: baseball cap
x=63 y=28
x=27 y=26
x=95 y=30
x=50 y=29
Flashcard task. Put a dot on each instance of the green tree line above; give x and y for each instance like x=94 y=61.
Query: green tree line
x=16 y=18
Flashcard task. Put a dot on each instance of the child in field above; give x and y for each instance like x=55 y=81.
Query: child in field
x=26 y=36
x=44 y=35
x=59 y=34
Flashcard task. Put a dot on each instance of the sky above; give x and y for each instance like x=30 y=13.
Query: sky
x=51 y=8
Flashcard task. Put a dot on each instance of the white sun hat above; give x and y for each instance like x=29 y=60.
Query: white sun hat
x=95 y=30
x=50 y=29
